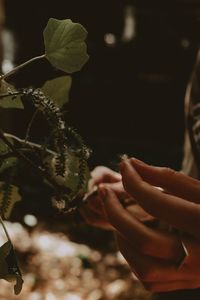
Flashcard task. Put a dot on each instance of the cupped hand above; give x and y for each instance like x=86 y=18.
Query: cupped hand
x=154 y=254
x=93 y=210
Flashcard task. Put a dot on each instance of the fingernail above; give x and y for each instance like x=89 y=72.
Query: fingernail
x=124 y=157
x=137 y=161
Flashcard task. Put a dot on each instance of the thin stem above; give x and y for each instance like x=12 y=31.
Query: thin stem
x=42 y=172
x=30 y=124
x=10 y=94
x=5 y=230
x=31 y=144
x=38 y=169
x=13 y=71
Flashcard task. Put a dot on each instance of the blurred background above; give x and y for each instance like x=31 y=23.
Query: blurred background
x=129 y=98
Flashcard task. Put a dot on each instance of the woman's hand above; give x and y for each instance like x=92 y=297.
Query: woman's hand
x=154 y=255
x=93 y=210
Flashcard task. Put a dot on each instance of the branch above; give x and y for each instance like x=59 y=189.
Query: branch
x=30 y=124
x=13 y=71
x=30 y=144
x=38 y=169
x=10 y=94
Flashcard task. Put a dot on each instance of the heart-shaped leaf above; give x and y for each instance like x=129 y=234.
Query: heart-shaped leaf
x=65 y=45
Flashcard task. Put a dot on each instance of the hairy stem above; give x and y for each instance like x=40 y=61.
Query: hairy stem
x=13 y=71
x=38 y=169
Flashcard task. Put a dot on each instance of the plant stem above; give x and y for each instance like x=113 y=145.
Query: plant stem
x=38 y=169
x=13 y=71
x=30 y=124
x=31 y=144
x=10 y=94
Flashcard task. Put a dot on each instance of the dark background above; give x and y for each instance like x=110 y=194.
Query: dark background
x=129 y=98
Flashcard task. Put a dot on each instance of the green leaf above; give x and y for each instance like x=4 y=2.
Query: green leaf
x=71 y=177
x=65 y=45
x=9 y=269
x=3 y=147
x=4 y=86
x=8 y=198
x=58 y=89
x=6 y=163
x=11 y=102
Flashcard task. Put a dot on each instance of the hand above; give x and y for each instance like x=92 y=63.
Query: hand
x=93 y=211
x=153 y=254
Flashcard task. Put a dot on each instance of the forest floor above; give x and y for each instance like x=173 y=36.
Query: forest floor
x=56 y=268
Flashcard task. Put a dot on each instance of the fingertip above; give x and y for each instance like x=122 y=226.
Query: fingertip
x=136 y=161
x=128 y=172
x=124 y=164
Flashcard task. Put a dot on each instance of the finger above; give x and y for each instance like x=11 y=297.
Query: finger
x=103 y=174
x=95 y=204
x=94 y=219
x=151 y=269
x=118 y=188
x=94 y=201
x=139 y=213
x=149 y=241
x=175 y=211
x=174 y=182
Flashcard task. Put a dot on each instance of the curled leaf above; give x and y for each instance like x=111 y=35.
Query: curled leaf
x=9 y=269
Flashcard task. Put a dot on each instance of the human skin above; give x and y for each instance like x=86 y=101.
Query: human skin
x=154 y=254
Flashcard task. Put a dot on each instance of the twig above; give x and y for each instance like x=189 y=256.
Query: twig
x=10 y=94
x=30 y=144
x=38 y=169
x=13 y=71
x=30 y=124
